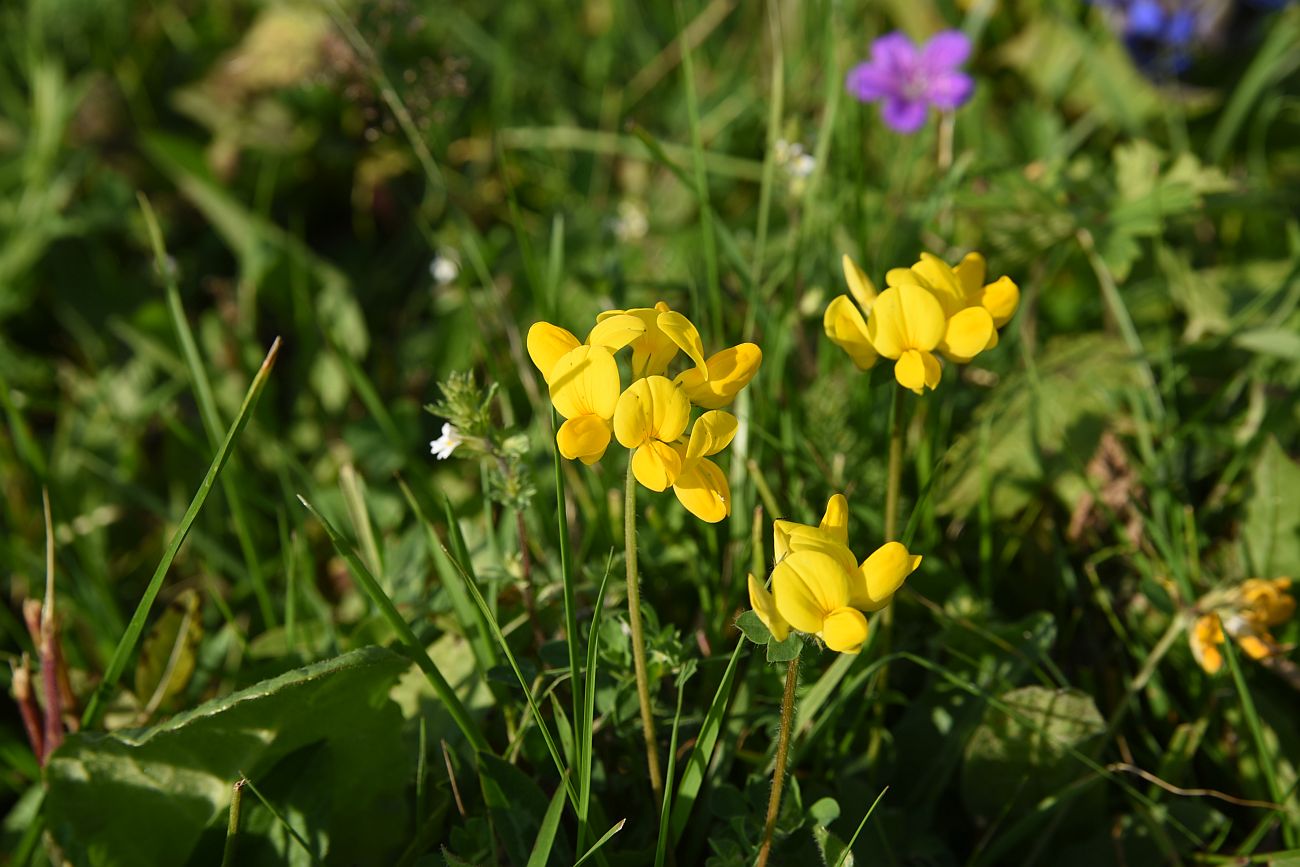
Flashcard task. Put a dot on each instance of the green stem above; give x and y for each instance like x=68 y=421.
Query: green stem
x=895 y=466
x=232 y=826
x=782 y=752
x=638 y=636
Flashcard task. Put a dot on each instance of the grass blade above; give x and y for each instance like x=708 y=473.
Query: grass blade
x=587 y=718
x=95 y=708
x=848 y=849
x=693 y=776
x=208 y=413
x=546 y=833
x=618 y=826
x=661 y=845
x=441 y=688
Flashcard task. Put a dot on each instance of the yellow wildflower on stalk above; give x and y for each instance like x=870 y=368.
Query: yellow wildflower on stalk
x=927 y=310
x=650 y=418
x=820 y=589
x=1245 y=612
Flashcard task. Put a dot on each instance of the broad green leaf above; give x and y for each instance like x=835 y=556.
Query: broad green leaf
x=1012 y=762
x=1272 y=528
x=166 y=660
x=322 y=743
x=784 y=651
x=753 y=628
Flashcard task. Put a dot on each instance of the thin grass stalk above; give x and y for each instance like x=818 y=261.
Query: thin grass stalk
x=638 y=636
x=782 y=752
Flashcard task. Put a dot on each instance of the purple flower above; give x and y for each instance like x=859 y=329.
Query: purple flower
x=906 y=80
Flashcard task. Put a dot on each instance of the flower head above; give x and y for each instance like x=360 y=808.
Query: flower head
x=651 y=417
x=907 y=80
x=928 y=308
x=819 y=588
x=443 y=446
x=1245 y=613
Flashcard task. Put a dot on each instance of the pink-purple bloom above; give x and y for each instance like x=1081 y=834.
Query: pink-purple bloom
x=907 y=80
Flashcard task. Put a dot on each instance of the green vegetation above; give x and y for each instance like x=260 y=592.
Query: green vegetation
x=245 y=245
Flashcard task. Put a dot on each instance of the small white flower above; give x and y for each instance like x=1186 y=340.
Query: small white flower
x=444 y=269
x=631 y=224
x=444 y=445
x=802 y=166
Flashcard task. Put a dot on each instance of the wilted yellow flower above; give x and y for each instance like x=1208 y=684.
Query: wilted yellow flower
x=1245 y=612
x=818 y=587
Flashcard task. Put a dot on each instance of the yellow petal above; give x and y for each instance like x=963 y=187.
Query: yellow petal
x=905 y=317
x=729 y=371
x=653 y=408
x=886 y=570
x=547 y=344
x=835 y=523
x=765 y=607
x=1254 y=646
x=711 y=433
x=1000 y=299
x=942 y=282
x=968 y=333
x=585 y=382
x=653 y=350
x=615 y=332
x=808 y=586
x=847 y=329
x=860 y=285
x=895 y=277
x=583 y=438
x=702 y=488
x=970 y=276
x=1205 y=637
x=656 y=465
x=682 y=332
x=801 y=537
x=917 y=370
x=845 y=630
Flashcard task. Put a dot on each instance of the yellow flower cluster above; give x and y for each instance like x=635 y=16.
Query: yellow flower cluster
x=818 y=586
x=1246 y=612
x=652 y=415
x=928 y=308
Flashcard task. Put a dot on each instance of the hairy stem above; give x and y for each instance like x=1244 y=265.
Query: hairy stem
x=782 y=752
x=638 y=636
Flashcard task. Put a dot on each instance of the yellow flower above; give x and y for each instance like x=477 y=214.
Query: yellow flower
x=663 y=333
x=723 y=377
x=701 y=485
x=548 y=343
x=974 y=311
x=1247 y=612
x=907 y=324
x=843 y=322
x=649 y=417
x=818 y=587
x=584 y=386
x=1205 y=638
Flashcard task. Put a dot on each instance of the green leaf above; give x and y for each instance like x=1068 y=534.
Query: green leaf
x=784 y=651
x=1013 y=762
x=753 y=628
x=167 y=658
x=1279 y=342
x=1272 y=528
x=546 y=834
x=322 y=742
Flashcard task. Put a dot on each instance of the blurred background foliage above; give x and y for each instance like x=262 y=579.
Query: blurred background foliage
x=398 y=189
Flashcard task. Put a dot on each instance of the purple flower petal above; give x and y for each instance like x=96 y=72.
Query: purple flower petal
x=894 y=53
x=949 y=90
x=869 y=82
x=946 y=50
x=903 y=115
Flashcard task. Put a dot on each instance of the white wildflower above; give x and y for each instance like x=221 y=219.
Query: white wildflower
x=444 y=269
x=444 y=445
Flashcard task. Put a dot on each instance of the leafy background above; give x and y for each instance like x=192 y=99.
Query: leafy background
x=1129 y=447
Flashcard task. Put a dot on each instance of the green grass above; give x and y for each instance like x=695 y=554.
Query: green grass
x=180 y=187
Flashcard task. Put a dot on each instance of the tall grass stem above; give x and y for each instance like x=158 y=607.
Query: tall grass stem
x=638 y=635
